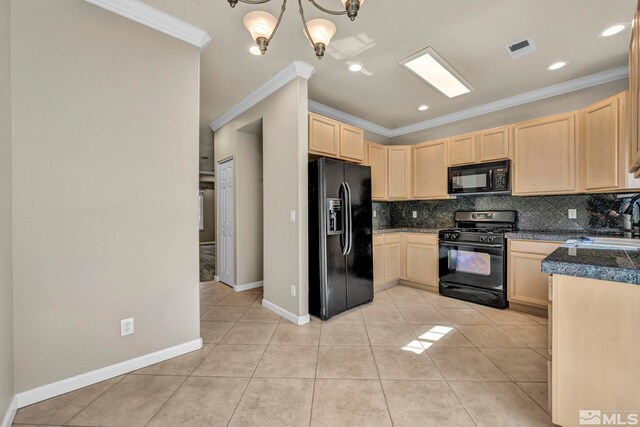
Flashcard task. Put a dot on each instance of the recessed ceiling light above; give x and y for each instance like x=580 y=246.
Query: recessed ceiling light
x=423 y=107
x=433 y=69
x=557 y=65
x=355 y=67
x=611 y=31
x=254 y=50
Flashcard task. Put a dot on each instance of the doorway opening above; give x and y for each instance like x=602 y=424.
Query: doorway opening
x=207 y=221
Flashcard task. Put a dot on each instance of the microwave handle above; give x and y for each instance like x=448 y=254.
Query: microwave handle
x=490 y=186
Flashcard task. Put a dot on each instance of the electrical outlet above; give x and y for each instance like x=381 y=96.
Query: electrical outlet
x=126 y=327
x=375 y=214
x=415 y=214
x=293 y=290
x=572 y=214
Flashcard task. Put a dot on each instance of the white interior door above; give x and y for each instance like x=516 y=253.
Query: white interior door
x=224 y=185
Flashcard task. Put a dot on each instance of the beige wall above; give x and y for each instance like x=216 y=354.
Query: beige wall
x=6 y=285
x=546 y=107
x=105 y=161
x=249 y=207
x=284 y=116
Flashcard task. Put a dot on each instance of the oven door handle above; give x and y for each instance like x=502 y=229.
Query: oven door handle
x=472 y=245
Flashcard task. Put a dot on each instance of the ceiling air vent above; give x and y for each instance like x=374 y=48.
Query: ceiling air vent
x=522 y=48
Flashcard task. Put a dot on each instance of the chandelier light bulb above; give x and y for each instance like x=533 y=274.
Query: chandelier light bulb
x=260 y=24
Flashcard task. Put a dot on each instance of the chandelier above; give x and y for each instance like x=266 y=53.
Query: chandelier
x=263 y=25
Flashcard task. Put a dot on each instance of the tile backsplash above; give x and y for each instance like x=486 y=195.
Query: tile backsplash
x=595 y=212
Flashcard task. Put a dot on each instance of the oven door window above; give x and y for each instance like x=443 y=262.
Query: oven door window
x=470 y=262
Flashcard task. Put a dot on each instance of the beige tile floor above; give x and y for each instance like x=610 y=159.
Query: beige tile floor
x=410 y=358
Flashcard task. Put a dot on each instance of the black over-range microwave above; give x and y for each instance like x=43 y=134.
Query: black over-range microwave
x=481 y=178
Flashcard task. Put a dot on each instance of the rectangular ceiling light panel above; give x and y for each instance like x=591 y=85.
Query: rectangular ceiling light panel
x=430 y=67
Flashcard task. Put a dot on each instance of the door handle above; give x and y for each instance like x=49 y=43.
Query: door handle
x=344 y=237
x=349 y=219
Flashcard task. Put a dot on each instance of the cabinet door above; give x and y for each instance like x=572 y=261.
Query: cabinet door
x=399 y=172
x=378 y=261
x=462 y=149
x=527 y=284
x=324 y=134
x=351 y=143
x=493 y=144
x=392 y=257
x=600 y=142
x=422 y=258
x=377 y=159
x=545 y=155
x=430 y=170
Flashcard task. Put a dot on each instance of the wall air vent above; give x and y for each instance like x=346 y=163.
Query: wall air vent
x=521 y=48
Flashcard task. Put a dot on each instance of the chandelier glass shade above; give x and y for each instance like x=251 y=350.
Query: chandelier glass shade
x=263 y=25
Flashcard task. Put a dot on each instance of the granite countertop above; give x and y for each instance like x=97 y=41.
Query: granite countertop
x=560 y=236
x=614 y=265
x=405 y=230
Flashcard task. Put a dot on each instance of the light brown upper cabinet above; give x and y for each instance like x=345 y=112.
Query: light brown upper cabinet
x=328 y=137
x=377 y=159
x=462 y=149
x=430 y=170
x=399 y=172
x=351 y=143
x=493 y=144
x=600 y=142
x=545 y=155
x=324 y=134
x=634 y=95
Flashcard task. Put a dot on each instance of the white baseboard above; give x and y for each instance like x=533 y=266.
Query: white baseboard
x=254 y=285
x=48 y=391
x=298 y=320
x=10 y=414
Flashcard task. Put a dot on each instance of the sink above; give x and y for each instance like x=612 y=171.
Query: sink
x=610 y=243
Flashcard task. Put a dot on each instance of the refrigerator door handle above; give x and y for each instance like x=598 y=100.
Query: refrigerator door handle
x=349 y=220
x=344 y=237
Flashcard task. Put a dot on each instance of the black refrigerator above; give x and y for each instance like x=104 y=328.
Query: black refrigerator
x=340 y=237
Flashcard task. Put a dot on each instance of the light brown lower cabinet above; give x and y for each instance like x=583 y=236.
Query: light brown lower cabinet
x=422 y=258
x=410 y=258
x=378 y=262
x=527 y=285
x=392 y=257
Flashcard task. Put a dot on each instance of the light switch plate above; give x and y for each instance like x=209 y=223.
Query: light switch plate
x=292 y=216
x=415 y=214
x=572 y=214
x=375 y=214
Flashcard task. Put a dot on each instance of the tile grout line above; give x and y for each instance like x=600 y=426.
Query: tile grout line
x=527 y=394
x=165 y=402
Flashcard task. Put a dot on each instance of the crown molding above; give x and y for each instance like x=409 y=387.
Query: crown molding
x=151 y=17
x=513 y=101
x=292 y=71
x=325 y=110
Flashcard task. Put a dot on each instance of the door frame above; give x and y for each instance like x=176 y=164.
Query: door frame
x=230 y=278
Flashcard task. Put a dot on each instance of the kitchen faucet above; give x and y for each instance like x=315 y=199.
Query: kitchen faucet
x=631 y=210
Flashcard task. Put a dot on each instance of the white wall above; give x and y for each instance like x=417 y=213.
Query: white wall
x=285 y=157
x=6 y=285
x=546 y=107
x=105 y=160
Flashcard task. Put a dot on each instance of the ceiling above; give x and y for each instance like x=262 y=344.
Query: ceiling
x=470 y=35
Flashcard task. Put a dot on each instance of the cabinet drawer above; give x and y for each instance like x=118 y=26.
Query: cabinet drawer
x=533 y=246
x=420 y=238
x=378 y=240
x=392 y=238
